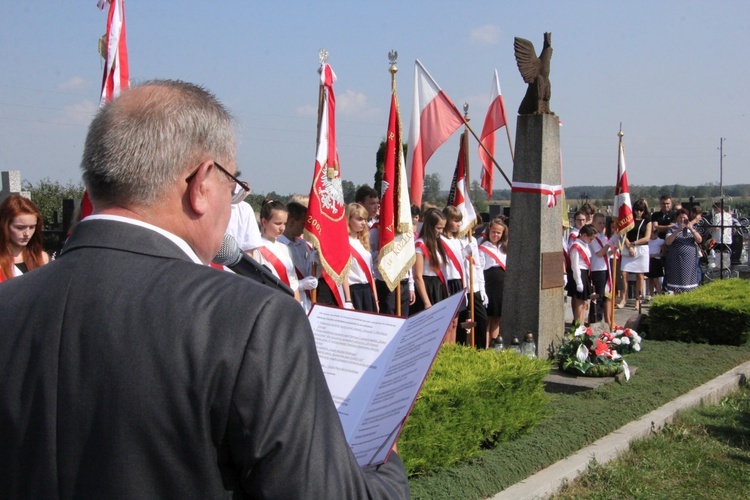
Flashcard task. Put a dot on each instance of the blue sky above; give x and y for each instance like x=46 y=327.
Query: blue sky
x=675 y=73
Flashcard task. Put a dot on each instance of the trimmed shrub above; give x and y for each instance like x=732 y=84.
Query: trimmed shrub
x=470 y=401
x=717 y=313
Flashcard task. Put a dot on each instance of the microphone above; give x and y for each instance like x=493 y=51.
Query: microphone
x=238 y=261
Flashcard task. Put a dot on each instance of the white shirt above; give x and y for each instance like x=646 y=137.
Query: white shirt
x=451 y=271
x=577 y=262
x=487 y=261
x=598 y=263
x=243 y=227
x=357 y=275
x=427 y=269
x=281 y=252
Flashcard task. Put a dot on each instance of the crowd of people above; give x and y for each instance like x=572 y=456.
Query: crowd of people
x=130 y=371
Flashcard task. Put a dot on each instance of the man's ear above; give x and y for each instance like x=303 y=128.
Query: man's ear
x=199 y=189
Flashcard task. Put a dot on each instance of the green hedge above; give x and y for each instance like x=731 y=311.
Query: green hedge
x=470 y=401
x=717 y=313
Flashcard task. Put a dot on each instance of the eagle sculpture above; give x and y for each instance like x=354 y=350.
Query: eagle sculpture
x=535 y=72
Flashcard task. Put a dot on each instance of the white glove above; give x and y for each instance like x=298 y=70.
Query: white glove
x=466 y=251
x=579 y=287
x=485 y=299
x=565 y=280
x=308 y=283
x=348 y=305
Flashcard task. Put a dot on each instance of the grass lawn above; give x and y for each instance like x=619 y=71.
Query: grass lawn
x=666 y=370
x=704 y=453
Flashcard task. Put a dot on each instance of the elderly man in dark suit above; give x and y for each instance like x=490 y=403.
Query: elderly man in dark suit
x=130 y=369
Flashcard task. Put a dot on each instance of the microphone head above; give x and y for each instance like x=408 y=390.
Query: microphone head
x=229 y=253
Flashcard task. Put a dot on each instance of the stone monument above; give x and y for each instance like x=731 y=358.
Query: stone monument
x=533 y=297
x=11 y=184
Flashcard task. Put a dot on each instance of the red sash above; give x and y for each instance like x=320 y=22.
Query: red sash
x=440 y=275
x=365 y=268
x=582 y=253
x=278 y=266
x=494 y=257
x=454 y=260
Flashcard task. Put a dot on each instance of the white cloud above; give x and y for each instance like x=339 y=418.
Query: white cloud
x=75 y=83
x=307 y=110
x=489 y=34
x=352 y=103
x=348 y=103
x=82 y=112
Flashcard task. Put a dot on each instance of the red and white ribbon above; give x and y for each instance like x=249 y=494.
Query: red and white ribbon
x=552 y=192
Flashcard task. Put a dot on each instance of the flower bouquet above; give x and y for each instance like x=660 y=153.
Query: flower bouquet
x=585 y=353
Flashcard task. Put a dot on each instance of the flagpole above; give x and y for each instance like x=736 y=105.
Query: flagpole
x=393 y=69
x=619 y=241
x=468 y=127
x=322 y=58
x=467 y=182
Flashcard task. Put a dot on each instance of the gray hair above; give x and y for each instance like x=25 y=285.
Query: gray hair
x=139 y=144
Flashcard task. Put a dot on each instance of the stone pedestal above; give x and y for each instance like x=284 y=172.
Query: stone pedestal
x=10 y=183
x=533 y=293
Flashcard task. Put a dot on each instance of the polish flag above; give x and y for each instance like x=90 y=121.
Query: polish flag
x=494 y=120
x=623 y=208
x=459 y=194
x=396 y=254
x=116 y=72
x=325 y=225
x=434 y=118
x=114 y=50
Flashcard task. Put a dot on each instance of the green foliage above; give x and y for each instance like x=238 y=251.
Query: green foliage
x=717 y=313
x=48 y=195
x=349 y=191
x=431 y=190
x=666 y=370
x=471 y=400
x=702 y=454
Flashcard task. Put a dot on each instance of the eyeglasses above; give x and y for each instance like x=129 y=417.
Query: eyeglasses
x=240 y=189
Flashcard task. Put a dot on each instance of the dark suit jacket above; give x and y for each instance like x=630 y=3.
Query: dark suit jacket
x=129 y=371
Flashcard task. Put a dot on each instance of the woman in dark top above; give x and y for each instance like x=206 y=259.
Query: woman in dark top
x=20 y=237
x=635 y=252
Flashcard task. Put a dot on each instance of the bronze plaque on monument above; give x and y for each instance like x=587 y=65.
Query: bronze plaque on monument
x=552 y=270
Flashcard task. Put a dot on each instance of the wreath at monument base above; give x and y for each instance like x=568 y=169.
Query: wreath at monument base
x=595 y=371
x=584 y=353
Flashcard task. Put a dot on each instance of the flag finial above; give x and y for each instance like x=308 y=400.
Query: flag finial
x=392 y=56
x=322 y=56
x=466 y=111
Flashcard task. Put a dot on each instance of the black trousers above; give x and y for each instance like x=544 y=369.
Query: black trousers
x=387 y=298
x=480 y=330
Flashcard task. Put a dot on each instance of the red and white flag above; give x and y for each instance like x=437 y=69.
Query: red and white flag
x=116 y=77
x=116 y=72
x=494 y=120
x=623 y=208
x=326 y=221
x=459 y=194
x=396 y=253
x=434 y=118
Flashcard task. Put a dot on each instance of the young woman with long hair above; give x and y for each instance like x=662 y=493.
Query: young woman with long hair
x=20 y=237
x=429 y=272
x=493 y=254
x=360 y=279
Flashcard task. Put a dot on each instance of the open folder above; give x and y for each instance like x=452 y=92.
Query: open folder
x=375 y=366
